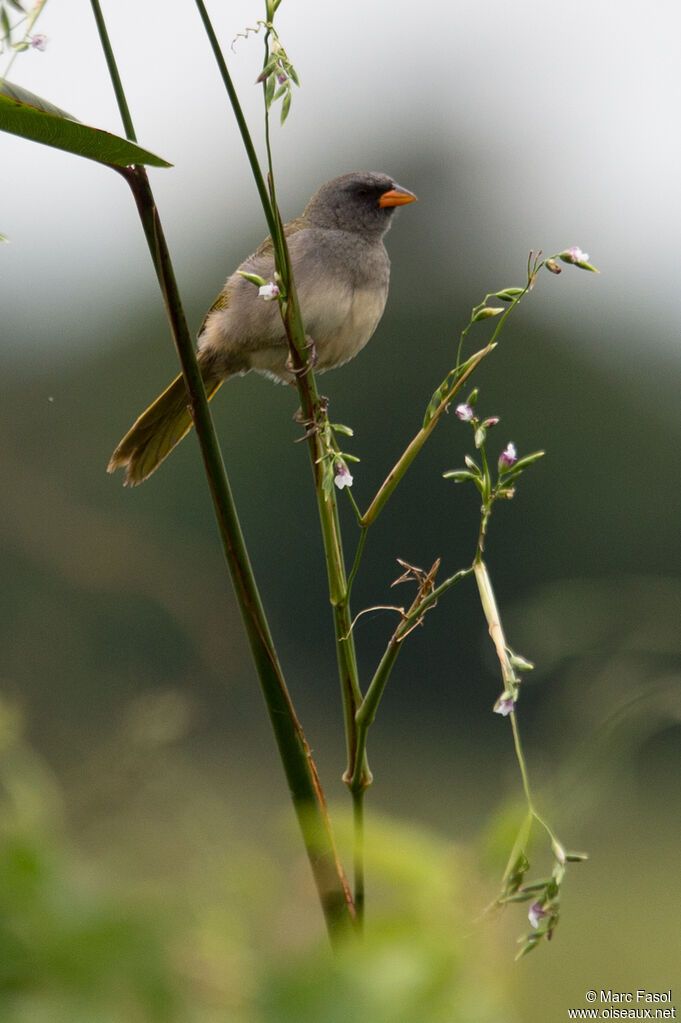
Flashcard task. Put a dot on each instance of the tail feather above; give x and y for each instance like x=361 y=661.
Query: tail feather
x=154 y=435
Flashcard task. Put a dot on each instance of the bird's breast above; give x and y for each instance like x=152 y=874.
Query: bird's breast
x=342 y=297
x=340 y=321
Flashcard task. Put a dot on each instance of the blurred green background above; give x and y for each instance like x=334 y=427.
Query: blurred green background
x=149 y=864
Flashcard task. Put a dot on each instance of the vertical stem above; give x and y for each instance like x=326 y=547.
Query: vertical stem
x=301 y=774
x=311 y=412
x=491 y=611
x=358 y=823
x=298 y=766
x=240 y=119
x=327 y=505
x=113 y=71
x=520 y=757
x=310 y=408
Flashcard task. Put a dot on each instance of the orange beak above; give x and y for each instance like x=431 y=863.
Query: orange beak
x=396 y=197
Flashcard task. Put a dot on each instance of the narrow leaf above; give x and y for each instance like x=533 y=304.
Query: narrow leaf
x=486 y=311
x=253 y=278
x=508 y=294
x=459 y=475
x=30 y=117
x=269 y=91
x=285 y=107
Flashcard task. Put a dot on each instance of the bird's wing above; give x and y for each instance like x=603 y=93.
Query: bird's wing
x=263 y=254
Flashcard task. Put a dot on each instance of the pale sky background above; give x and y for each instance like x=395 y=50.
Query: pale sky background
x=568 y=114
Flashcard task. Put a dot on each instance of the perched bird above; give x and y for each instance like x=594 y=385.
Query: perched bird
x=341 y=271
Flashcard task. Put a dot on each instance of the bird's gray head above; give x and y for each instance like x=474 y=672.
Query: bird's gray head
x=359 y=202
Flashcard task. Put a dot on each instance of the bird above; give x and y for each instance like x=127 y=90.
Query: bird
x=341 y=272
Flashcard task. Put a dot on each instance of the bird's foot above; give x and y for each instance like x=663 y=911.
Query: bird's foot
x=314 y=423
x=302 y=371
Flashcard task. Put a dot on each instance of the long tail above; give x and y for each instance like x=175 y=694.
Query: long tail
x=156 y=432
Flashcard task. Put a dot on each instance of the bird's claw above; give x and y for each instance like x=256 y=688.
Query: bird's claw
x=302 y=371
x=312 y=425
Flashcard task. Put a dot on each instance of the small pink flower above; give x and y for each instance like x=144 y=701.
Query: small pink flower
x=464 y=413
x=268 y=291
x=505 y=705
x=508 y=457
x=536 y=914
x=39 y=42
x=574 y=255
x=343 y=477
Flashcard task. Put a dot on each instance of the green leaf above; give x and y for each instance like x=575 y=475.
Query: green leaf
x=6 y=27
x=530 y=943
x=520 y=663
x=30 y=117
x=459 y=475
x=486 y=311
x=536 y=886
x=441 y=393
x=509 y=294
x=510 y=475
x=253 y=278
x=522 y=896
x=269 y=91
x=285 y=106
x=522 y=463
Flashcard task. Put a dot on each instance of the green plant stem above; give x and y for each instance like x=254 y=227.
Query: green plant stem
x=519 y=845
x=278 y=237
x=491 y=612
x=270 y=215
x=327 y=505
x=309 y=404
x=339 y=590
x=510 y=680
x=411 y=451
x=358 y=865
x=301 y=774
x=359 y=551
x=357 y=774
x=520 y=757
x=366 y=712
x=299 y=768
x=113 y=71
x=461 y=374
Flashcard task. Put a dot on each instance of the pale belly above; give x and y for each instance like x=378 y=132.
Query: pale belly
x=339 y=326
